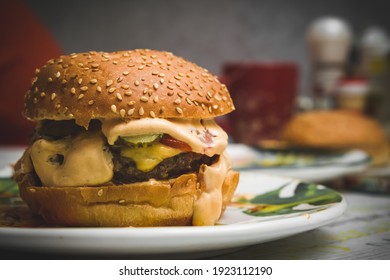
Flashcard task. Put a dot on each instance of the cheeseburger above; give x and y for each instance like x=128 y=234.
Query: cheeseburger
x=126 y=139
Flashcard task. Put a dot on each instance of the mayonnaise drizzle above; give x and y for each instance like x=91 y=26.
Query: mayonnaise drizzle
x=85 y=162
x=208 y=207
x=203 y=136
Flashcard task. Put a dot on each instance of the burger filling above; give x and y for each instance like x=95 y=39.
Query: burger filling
x=114 y=152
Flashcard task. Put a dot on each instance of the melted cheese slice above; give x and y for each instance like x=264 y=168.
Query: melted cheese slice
x=147 y=158
x=85 y=163
x=203 y=136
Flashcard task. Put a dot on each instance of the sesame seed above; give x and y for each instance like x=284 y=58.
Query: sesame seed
x=73 y=90
x=80 y=64
x=131 y=103
x=91 y=102
x=43 y=94
x=128 y=93
x=177 y=77
x=98 y=89
x=181 y=74
x=58 y=106
x=80 y=96
x=32 y=190
x=122 y=112
x=80 y=81
x=170 y=93
x=130 y=112
x=95 y=65
x=121 y=201
x=177 y=101
x=100 y=192
x=141 y=67
x=53 y=96
x=114 y=62
x=155 y=99
x=141 y=111
x=84 y=88
x=35 y=100
x=111 y=90
x=50 y=79
x=120 y=79
x=179 y=110
x=109 y=83
x=58 y=74
x=93 y=81
x=170 y=87
x=155 y=86
x=35 y=90
x=136 y=83
x=119 y=96
x=113 y=108
x=64 y=81
x=162 y=110
x=161 y=81
x=155 y=73
x=152 y=114
x=161 y=75
x=188 y=101
x=144 y=99
x=178 y=84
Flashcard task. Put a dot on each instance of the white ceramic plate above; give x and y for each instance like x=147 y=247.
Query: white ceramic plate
x=254 y=217
x=301 y=165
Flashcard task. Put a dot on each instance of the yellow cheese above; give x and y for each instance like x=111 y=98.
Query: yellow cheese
x=147 y=158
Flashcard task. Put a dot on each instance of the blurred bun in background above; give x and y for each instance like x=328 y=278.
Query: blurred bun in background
x=338 y=130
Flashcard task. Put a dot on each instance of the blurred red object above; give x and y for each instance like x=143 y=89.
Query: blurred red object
x=26 y=45
x=264 y=95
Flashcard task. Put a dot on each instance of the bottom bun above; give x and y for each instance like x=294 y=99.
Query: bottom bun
x=144 y=204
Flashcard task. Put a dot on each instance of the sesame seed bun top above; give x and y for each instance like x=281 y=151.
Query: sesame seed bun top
x=125 y=84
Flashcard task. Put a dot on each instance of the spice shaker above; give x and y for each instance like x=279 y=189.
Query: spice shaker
x=328 y=40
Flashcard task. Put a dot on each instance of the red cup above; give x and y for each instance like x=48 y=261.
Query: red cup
x=264 y=95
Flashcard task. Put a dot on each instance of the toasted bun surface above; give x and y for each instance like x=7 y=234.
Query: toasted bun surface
x=338 y=129
x=152 y=203
x=126 y=84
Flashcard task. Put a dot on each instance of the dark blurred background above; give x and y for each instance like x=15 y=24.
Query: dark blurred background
x=208 y=33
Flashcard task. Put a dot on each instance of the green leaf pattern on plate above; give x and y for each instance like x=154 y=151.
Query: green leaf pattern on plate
x=274 y=203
